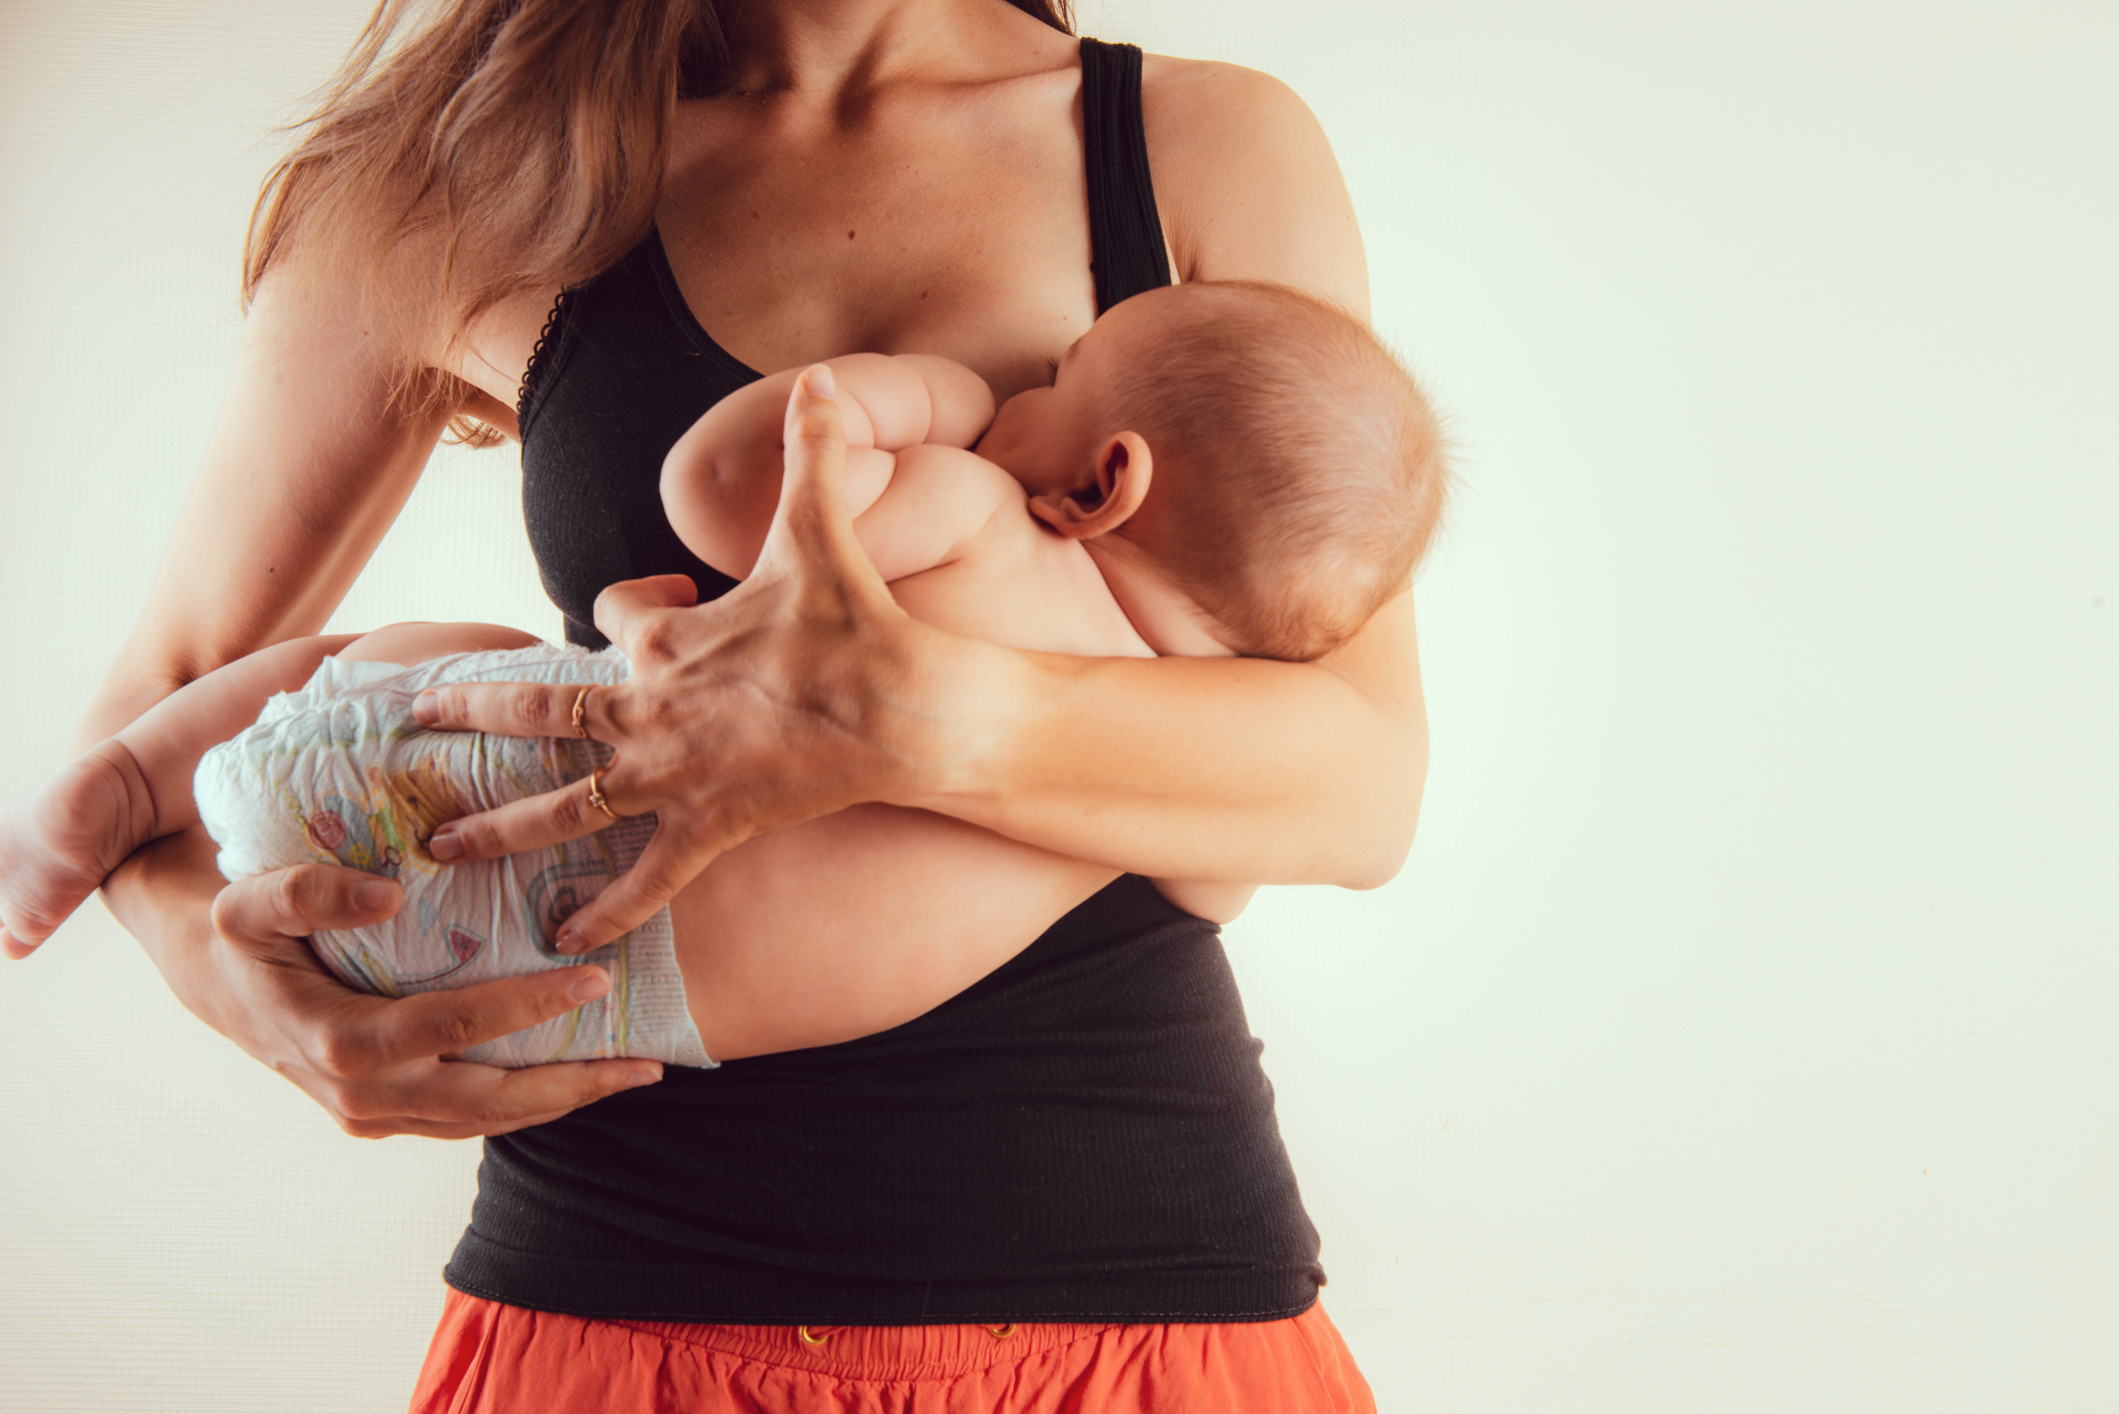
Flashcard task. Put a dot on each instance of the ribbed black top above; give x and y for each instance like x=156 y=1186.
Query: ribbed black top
x=1086 y=1134
x=1125 y=231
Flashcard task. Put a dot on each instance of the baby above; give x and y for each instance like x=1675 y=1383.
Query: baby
x=1216 y=469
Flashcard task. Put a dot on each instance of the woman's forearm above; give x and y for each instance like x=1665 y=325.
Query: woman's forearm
x=163 y=895
x=1217 y=769
x=121 y=700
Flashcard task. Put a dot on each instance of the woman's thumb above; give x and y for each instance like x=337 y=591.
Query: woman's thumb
x=812 y=511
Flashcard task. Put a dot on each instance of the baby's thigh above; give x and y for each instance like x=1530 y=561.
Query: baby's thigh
x=417 y=642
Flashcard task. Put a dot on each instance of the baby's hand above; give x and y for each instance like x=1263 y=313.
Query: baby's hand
x=58 y=844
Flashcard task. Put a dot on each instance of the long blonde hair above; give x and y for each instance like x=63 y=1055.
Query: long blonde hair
x=527 y=137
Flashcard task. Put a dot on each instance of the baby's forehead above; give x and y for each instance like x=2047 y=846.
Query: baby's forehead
x=1157 y=308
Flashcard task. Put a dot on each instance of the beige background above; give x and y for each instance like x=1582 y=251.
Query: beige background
x=1740 y=1036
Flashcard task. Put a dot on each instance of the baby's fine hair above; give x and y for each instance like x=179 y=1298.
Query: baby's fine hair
x=1309 y=469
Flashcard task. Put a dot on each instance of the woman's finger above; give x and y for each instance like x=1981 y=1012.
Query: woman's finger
x=434 y=1129
x=534 y=822
x=619 y=604
x=447 y=1022
x=671 y=860
x=469 y=1098
x=514 y=1098
x=812 y=530
x=385 y=1126
x=516 y=709
x=293 y=903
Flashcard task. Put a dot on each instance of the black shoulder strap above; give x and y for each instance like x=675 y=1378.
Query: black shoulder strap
x=1125 y=231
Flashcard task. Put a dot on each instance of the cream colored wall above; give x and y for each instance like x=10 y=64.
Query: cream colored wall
x=1738 y=1038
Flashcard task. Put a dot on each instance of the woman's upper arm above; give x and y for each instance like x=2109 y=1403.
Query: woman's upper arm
x=1246 y=182
x=1248 y=189
x=319 y=440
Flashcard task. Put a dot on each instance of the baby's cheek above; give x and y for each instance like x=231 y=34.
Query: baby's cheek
x=1018 y=431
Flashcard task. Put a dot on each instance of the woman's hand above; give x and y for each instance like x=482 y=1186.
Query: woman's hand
x=797 y=694
x=378 y=1066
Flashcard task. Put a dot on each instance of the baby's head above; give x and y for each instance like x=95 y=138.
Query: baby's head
x=1256 y=449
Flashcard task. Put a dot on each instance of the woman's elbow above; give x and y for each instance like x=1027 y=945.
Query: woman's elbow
x=1378 y=865
x=1394 y=816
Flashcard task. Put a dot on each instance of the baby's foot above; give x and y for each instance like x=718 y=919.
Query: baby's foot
x=58 y=844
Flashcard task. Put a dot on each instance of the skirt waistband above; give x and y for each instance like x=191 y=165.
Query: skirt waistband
x=873 y=1352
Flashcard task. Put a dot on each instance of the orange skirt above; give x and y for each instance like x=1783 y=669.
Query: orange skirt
x=493 y=1359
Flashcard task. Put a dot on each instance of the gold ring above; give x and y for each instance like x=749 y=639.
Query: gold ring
x=596 y=796
x=808 y=1339
x=581 y=707
x=1001 y=1332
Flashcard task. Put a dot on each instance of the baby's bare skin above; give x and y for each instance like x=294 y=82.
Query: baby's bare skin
x=59 y=843
x=936 y=903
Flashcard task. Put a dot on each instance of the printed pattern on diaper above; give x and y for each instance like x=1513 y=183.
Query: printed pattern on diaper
x=341 y=772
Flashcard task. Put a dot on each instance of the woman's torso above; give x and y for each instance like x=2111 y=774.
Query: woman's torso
x=1086 y=1133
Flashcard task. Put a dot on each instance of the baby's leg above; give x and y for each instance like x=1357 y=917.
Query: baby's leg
x=58 y=844
x=169 y=738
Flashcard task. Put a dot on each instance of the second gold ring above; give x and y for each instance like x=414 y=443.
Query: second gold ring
x=581 y=711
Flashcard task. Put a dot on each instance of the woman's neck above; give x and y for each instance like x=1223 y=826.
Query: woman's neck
x=828 y=51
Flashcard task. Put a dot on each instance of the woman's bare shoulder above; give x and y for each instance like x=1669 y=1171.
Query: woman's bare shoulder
x=368 y=320
x=1246 y=181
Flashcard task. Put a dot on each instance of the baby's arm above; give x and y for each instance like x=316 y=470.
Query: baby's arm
x=58 y=844
x=721 y=481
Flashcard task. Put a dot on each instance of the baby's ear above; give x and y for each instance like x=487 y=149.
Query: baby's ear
x=1121 y=475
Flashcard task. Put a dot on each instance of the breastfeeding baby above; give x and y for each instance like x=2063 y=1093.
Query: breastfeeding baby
x=1217 y=468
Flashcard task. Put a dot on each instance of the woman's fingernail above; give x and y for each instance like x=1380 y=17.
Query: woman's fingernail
x=373 y=895
x=640 y=1078
x=427 y=707
x=590 y=987
x=445 y=845
x=819 y=382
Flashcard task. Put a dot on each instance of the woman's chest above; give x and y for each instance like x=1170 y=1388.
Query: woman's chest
x=933 y=227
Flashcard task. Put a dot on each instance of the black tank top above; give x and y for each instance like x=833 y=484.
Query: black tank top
x=1086 y=1134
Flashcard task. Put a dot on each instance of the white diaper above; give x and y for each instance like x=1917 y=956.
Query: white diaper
x=342 y=773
